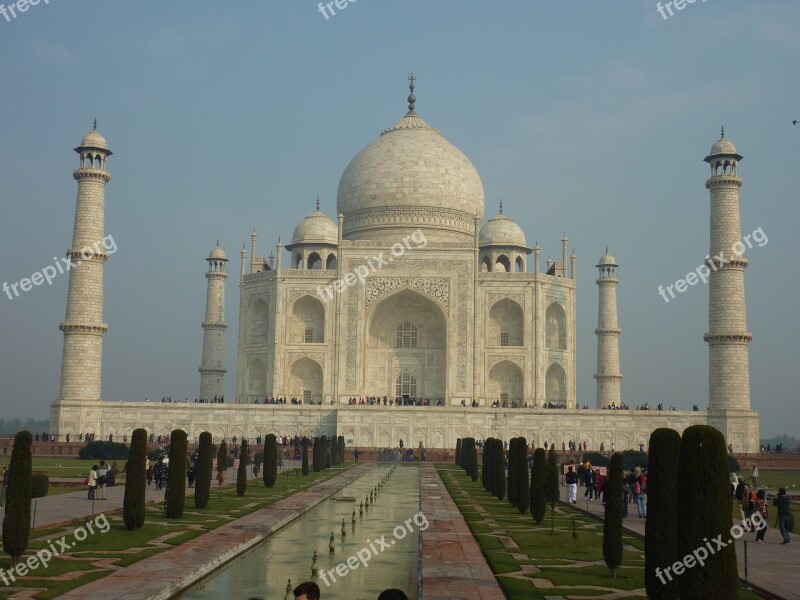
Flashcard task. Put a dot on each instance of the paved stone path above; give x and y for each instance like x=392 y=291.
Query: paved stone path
x=453 y=567
x=771 y=567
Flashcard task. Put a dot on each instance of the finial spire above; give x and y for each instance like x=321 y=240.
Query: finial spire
x=606 y=248
x=95 y=124
x=217 y=242
x=411 y=97
x=317 y=201
x=722 y=134
x=501 y=206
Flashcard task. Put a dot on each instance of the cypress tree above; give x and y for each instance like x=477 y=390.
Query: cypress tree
x=316 y=456
x=612 y=523
x=538 y=476
x=270 y=460
x=499 y=470
x=458 y=452
x=222 y=461
x=523 y=492
x=203 y=468
x=474 y=462
x=334 y=452
x=488 y=446
x=305 y=456
x=326 y=452
x=17 y=518
x=241 y=475
x=551 y=491
x=512 y=472
x=175 y=494
x=704 y=492
x=135 y=481
x=661 y=526
x=466 y=454
x=340 y=441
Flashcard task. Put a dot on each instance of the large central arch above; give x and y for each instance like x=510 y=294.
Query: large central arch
x=406 y=333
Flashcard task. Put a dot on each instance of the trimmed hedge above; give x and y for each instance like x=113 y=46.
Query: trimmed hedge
x=551 y=489
x=612 y=523
x=175 y=494
x=538 y=498
x=17 y=517
x=521 y=471
x=40 y=484
x=458 y=452
x=222 y=461
x=104 y=451
x=202 y=470
x=241 y=474
x=270 y=460
x=305 y=457
x=704 y=492
x=661 y=526
x=316 y=456
x=135 y=482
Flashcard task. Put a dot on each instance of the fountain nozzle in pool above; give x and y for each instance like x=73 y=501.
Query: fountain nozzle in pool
x=314 y=567
x=332 y=544
x=289 y=593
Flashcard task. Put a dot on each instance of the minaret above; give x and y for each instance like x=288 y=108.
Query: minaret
x=243 y=271
x=727 y=337
x=212 y=371
x=608 y=376
x=83 y=327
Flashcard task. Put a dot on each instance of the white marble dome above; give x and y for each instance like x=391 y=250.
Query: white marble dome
x=607 y=260
x=217 y=253
x=502 y=231
x=94 y=140
x=410 y=177
x=723 y=146
x=316 y=228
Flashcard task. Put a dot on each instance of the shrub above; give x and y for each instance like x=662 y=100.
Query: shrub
x=326 y=452
x=104 y=451
x=704 y=492
x=612 y=523
x=241 y=474
x=512 y=471
x=135 y=482
x=175 y=494
x=202 y=470
x=551 y=490
x=733 y=464
x=340 y=453
x=270 y=460
x=458 y=452
x=17 y=518
x=538 y=477
x=258 y=458
x=499 y=470
x=40 y=484
x=334 y=452
x=597 y=459
x=474 y=463
x=632 y=459
x=316 y=456
x=521 y=467
x=661 y=527
x=305 y=456
x=486 y=472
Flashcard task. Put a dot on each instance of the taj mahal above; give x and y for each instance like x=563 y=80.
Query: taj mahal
x=407 y=315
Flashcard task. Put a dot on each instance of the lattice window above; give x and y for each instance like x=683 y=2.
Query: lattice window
x=406 y=336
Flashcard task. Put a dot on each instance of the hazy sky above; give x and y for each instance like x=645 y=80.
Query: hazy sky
x=586 y=117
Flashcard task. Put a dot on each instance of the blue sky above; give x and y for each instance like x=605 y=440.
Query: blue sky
x=586 y=117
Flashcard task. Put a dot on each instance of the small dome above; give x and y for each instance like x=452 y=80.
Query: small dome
x=501 y=231
x=723 y=146
x=217 y=253
x=316 y=228
x=607 y=260
x=93 y=139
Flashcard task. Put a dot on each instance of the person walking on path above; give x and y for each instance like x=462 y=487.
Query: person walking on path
x=640 y=490
x=102 y=480
x=784 y=514
x=572 y=486
x=761 y=508
x=92 y=481
x=754 y=476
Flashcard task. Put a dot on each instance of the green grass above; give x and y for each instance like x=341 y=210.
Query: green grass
x=560 y=558
x=150 y=540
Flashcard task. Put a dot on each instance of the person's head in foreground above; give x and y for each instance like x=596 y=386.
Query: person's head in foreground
x=306 y=591
x=392 y=594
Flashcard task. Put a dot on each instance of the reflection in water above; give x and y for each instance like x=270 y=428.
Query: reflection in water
x=379 y=551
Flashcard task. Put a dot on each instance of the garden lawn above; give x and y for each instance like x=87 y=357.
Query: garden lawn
x=531 y=562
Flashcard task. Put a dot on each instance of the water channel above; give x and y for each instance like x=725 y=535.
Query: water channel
x=264 y=571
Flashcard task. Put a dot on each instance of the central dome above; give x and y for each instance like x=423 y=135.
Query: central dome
x=410 y=178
